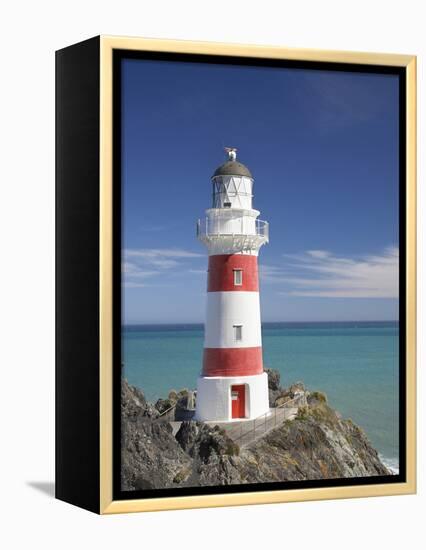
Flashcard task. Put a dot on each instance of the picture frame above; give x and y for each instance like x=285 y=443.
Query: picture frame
x=88 y=274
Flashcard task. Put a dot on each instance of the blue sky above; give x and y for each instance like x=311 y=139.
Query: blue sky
x=323 y=149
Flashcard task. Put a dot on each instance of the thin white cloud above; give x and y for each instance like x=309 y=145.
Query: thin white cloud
x=160 y=253
x=271 y=273
x=161 y=258
x=318 y=253
x=152 y=262
x=319 y=273
x=131 y=284
x=133 y=270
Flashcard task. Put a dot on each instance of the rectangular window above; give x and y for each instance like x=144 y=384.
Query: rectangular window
x=238 y=277
x=238 y=333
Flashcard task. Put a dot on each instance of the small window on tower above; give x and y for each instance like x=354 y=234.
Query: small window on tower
x=238 y=333
x=238 y=277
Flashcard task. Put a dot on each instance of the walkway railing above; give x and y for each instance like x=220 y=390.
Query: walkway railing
x=247 y=432
x=168 y=414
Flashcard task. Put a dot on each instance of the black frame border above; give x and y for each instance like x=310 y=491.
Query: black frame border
x=118 y=56
x=77 y=245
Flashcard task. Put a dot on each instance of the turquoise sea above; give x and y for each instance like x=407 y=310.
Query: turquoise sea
x=354 y=363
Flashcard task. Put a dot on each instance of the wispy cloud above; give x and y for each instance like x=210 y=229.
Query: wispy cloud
x=146 y=263
x=342 y=101
x=131 y=284
x=319 y=273
x=160 y=257
x=133 y=270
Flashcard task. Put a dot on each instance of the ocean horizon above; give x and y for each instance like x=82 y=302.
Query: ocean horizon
x=355 y=363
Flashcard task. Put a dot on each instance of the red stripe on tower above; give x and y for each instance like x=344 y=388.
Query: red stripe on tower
x=232 y=361
x=232 y=272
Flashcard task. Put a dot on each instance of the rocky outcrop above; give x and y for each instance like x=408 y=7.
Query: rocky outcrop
x=279 y=395
x=274 y=387
x=296 y=393
x=203 y=441
x=317 y=444
x=213 y=454
x=177 y=404
x=134 y=404
x=150 y=455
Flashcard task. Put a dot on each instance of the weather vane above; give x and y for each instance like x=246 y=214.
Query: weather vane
x=232 y=152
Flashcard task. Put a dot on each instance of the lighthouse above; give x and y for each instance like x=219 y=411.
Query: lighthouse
x=233 y=385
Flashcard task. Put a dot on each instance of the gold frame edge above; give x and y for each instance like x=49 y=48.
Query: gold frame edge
x=107 y=504
x=105 y=277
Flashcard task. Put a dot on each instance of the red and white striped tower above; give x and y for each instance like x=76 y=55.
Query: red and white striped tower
x=233 y=384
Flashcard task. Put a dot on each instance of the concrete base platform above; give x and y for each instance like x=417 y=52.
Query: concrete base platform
x=214 y=400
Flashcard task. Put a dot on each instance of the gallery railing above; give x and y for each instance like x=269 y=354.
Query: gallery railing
x=207 y=228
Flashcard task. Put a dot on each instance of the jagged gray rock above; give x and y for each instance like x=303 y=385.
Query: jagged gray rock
x=318 y=444
x=274 y=388
x=162 y=405
x=202 y=441
x=295 y=391
x=150 y=455
x=133 y=403
x=187 y=435
x=274 y=378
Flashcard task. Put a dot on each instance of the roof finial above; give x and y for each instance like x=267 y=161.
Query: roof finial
x=232 y=153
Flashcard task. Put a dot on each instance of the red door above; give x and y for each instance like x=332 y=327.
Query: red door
x=238 y=396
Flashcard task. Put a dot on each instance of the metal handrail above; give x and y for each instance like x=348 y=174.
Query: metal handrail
x=285 y=404
x=262 y=424
x=167 y=411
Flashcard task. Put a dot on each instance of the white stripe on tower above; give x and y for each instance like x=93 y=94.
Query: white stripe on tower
x=225 y=310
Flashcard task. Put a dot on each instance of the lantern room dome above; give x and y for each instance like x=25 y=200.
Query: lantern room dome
x=232 y=167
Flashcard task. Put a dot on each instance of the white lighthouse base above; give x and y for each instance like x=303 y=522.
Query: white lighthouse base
x=214 y=400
